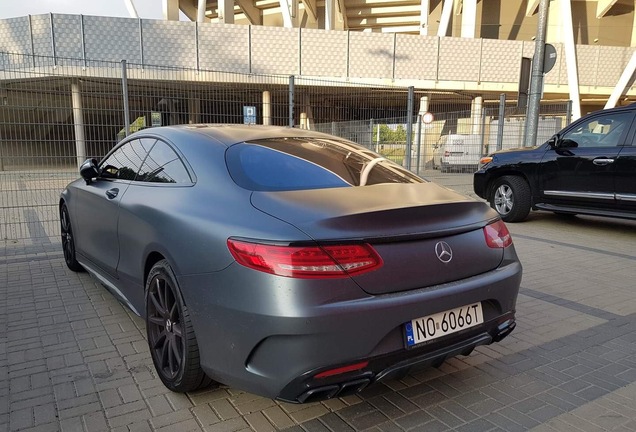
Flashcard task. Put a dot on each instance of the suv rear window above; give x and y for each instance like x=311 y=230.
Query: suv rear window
x=283 y=164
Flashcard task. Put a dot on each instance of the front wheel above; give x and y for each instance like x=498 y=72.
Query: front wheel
x=68 y=241
x=510 y=197
x=173 y=345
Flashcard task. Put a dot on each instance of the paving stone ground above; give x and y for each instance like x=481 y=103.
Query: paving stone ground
x=73 y=359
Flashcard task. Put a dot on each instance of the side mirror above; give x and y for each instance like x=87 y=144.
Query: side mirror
x=88 y=170
x=567 y=143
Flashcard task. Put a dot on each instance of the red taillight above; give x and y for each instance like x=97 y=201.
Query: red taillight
x=497 y=235
x=306 y=261
x=341 y=370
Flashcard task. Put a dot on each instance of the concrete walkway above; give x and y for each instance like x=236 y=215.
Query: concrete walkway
x=72 y=358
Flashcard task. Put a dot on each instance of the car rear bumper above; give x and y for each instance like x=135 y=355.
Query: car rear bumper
x=307 y=388
x=276 y=349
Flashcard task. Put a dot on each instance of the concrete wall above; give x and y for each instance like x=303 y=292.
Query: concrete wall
x=422 y=61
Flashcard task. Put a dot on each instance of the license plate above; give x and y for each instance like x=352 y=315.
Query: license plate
x=443 y=323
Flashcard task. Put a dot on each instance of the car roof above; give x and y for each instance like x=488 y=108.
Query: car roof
x=228 y=134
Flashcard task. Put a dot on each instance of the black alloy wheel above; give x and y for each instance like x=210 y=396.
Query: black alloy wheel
x=68 y=242
x=173 y=345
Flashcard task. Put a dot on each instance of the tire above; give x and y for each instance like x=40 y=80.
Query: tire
x=68 y=241
x=171 y=339
x=510 y=197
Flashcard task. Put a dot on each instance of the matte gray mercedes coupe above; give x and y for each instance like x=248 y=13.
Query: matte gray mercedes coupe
x=292 y=264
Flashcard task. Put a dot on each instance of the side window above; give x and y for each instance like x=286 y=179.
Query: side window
x=163 y=166
x=601 y=131
x=124 y=162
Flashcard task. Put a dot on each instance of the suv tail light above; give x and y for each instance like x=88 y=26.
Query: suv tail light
x=497 y=235
x=333 y=261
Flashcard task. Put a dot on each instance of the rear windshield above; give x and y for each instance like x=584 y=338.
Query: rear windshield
x=309 y=163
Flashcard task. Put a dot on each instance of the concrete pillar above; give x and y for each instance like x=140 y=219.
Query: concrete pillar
x=78 y=121
x=476 y=108
x=130 y=6
x=423 y=105
x=424 y=154
x=445 y=19
x=289 y=9
x=201 y=11
x=424 y=12
x=171 y=10
x=469 y=18
x=330 y=14
x=624 y=82
x=303 y=120
x=633 y=43
x=570 y=58
x=194 y=110
x=267 y=108
x=226 y=11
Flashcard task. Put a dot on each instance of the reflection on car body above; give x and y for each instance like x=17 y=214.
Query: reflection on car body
x=288 y=263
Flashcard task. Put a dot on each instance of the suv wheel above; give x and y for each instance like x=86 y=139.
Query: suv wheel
x=510 y=197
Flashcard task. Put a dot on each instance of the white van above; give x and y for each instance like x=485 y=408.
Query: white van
x=457 y=152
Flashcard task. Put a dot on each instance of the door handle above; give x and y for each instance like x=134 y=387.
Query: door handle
x=602 y=161
x=112 y=193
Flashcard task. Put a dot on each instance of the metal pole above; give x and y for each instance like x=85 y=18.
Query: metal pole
x=291 y=101
x=371 y=133
x=124 y=87
x=568 y=114
x=484 y=148
x=419 y=144
x=1 y=162
x=500 y=125
x=536 y=81
x=409 y=127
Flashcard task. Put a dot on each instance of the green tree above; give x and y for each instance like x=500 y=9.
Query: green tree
x=389 y=135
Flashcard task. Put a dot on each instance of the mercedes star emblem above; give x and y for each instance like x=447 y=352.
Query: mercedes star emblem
x=444 y=252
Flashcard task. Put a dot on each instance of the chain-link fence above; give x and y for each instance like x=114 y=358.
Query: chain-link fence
x=54 y=114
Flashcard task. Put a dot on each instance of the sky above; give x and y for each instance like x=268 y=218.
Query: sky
x=15 y=8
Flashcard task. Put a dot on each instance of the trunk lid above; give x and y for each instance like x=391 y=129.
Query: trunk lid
x=403 y=222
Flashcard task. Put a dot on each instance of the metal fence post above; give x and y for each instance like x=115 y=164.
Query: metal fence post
x=502 y=117
x=371 y=123
x=419 y=144
x=1 y=162
x=409 y=127
x=124 y=88
x=484 y=145
x=568 y=113
x=291 y=101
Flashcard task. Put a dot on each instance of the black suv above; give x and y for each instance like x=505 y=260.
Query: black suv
x=588 y=168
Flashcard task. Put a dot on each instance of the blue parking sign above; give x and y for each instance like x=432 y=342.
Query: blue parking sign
x=249 y=115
